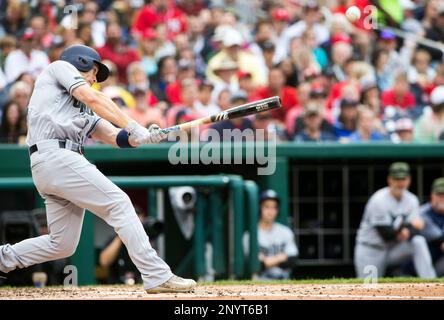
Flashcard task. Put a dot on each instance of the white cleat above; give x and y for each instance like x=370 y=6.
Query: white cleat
x=174 y=284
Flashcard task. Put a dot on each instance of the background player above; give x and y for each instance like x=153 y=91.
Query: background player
x=63 y=111
x=277 y=249
x=388 y=234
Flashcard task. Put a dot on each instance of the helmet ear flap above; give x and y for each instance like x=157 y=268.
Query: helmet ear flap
x=83 y=61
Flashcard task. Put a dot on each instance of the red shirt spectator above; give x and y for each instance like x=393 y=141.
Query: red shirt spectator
x=399 y=95
x=405 y=101
x=115 y=51
x=276 y=87
x=160 y=12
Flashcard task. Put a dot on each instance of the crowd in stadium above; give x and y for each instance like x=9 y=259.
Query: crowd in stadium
x=172 y=61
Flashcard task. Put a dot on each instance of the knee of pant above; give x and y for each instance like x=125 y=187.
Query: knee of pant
x=64 y=248
x=123 y=203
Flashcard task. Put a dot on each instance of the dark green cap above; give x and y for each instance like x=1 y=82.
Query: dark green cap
x=399 y=170
x=438 y=186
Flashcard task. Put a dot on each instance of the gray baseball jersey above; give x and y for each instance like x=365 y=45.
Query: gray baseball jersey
x=53 y=112
x=383 y=209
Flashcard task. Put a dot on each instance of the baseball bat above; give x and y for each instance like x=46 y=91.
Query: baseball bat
x=232 y=113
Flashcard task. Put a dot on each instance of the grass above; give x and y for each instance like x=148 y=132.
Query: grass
x=283 y=282
x=321 y=281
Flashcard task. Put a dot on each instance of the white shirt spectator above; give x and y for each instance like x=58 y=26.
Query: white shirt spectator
x=17 y=63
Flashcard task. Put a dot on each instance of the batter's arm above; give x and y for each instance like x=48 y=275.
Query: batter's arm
x=101 y=105
x=105 y=132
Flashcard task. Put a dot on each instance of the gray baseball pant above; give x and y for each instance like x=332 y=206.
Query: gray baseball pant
x=69 y=184
x=380 y=258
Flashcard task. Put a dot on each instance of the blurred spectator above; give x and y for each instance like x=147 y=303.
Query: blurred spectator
x=137 y=78
x=186 y=71
x=232 y=49
x=276 y=87
x=25 y=59
x=11 y=130
x=421 y=72
x=433 y=215
x=399 y=96
x=246 y=84
x=159 y=12
x=204 y=105
x=13 y=22
x=142 y=112
x=87 y=16
x=225 y=71
x=366 y=127
x=189 y=98
x=347 y=120
x=388 y=233
x=147 y=51
x=311 y=20
x=436 y=31
x=167 y=73
x=42 y=37
x=312 y=129
x=7 y=45
x=404 y=131
x=116 y=51
x=277 y=248
x=20 y=93
x=310 y=40
x=430 y=125
x=370 y=95
x=56 y=48
x=341 y=53
x=241 y=123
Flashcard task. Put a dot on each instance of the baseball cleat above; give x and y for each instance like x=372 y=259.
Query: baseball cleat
x=174 y=284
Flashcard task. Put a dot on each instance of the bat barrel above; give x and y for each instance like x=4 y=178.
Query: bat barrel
x=254 y=107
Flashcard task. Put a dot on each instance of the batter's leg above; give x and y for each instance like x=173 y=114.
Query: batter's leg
x=83 y=184
x=367 y=259
x=65 y=224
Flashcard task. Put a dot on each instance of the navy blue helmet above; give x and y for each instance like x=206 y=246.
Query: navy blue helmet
x=83 y=58
x=268 y=194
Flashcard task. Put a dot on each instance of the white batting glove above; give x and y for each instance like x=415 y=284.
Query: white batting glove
x=137 y=133
x=155 y=135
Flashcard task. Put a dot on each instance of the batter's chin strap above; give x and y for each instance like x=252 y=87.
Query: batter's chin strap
x=122 y=139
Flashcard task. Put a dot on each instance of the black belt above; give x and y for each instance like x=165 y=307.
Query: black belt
x=62 y=145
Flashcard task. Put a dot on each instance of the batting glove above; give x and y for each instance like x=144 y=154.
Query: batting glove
x=156 y=135
x=137 y=133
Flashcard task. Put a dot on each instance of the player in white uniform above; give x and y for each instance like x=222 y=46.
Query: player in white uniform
x=63 y=111
x=389 y=230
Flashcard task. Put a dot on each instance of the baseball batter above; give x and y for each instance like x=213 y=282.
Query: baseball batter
x=389 y=230
x=63 y=111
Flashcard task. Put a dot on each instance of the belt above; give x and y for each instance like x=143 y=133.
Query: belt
x=62 y=144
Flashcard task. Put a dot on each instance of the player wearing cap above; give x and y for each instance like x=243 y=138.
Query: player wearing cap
x=433 y=215
x=277 y=249
x=63 y=111
x=389 y=230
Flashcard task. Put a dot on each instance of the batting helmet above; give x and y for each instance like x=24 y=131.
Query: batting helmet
x=268 y=195
x=83 y=58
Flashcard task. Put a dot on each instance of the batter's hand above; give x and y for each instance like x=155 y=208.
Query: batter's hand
x=156 y=135
x=137 y=133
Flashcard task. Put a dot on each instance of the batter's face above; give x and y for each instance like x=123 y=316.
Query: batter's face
x=91 y=75
x=269 y=210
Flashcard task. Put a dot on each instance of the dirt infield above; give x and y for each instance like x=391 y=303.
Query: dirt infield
x=384 y=291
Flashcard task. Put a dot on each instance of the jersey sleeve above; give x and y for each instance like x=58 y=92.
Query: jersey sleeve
x=67 y=75
x=377 y=215
x=291 y=249
x=414 y=213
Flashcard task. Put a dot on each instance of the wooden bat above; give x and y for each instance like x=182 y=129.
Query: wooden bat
x=232 y=113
